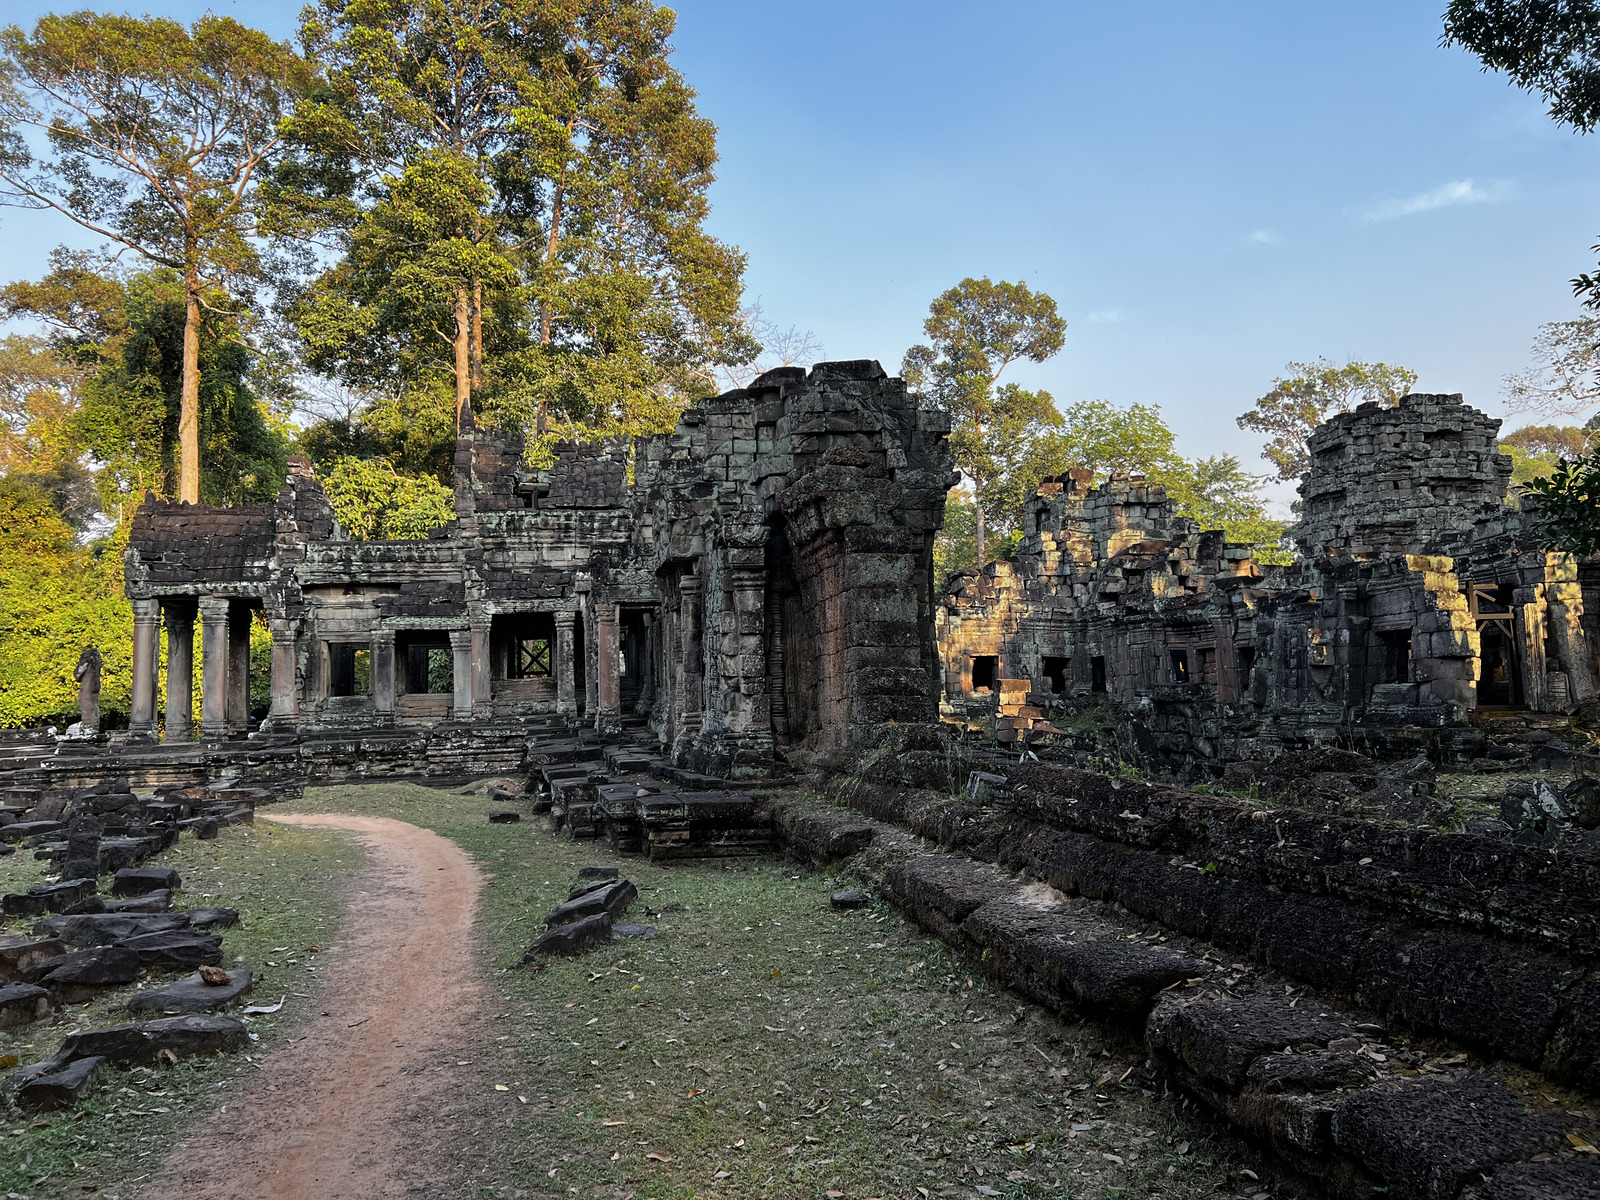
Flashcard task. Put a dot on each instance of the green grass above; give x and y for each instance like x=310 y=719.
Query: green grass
x=764 y=1045
x=284 y=881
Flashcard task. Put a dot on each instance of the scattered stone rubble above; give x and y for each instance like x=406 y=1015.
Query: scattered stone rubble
x=80 y=942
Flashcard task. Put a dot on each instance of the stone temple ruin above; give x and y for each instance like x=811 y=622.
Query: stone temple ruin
x=754 y=583
x=1418 y=601
x=654 y=644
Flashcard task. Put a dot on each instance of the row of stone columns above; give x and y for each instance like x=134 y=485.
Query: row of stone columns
x=224 y=669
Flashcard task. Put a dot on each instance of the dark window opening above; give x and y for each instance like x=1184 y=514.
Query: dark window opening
x=1055 y=670
x=349 y=669
x=1180 y=666
x=430 y=668
x=1498 y=681
x=1394 y=650
x=1552 y=653
x=1246 y=656
x=1097 y=675
x=985 y=670
x=530 y=658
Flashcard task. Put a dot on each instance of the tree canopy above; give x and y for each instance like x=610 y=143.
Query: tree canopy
x=977 y=329
x=159 y=137
x=1308 y=394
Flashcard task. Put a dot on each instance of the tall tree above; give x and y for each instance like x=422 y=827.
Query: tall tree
x=1311 y=393
x=159 y=137
x=126 y=333
x=555 y=160
x=395 y=157
x=977 y=329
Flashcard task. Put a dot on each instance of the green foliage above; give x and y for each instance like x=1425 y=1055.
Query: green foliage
x=159 y=136
x=55 y=599
x=39 y=397
x=1568 y=505
x=977 y=329
x=1526 y=466
x=372 y=501
x=1558 y=441
x=1547 y=46
x=127 y=333
x=519 y=191
x=1311 y=393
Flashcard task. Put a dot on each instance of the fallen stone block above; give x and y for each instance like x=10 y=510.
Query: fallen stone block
x=105 y=929
x=141 y=1042
x=504 y=817
x=206 y=828
x=158 y=901
x=136 y=881
x=175 y=948
x=19 y=955
x=21 y=831
x=849 y=898
x=571 y=939
x=61 y=1088
x=193 y=994
x=612 y=899
x=23 y=1004
x=212 y=918
x=1427 y=1138
x=940 y=891
x=80 y=974
x=1218 y=1037
x=48 y=898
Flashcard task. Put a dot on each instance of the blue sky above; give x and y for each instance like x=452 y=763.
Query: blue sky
x=1209 y=191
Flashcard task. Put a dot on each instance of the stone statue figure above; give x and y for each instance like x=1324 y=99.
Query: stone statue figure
x=88 y=677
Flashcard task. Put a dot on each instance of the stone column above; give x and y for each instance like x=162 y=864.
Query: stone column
x=608 y=639
x=180 y=613
x=482 y=670
x=238 y=685
x=566 y=664
x=591 y=659
x=285 y=714
x=383 y=675
x=461 y=649
x=213 y=667
x=691 y=704
x=647 y=668
x=146 y=654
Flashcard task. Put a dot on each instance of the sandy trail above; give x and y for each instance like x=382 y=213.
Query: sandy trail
x=334 y=1112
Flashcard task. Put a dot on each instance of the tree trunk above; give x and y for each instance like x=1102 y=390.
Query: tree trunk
x=979 y=507
x=547 y=310
x=189 y=405
x=463 y=348
x=477 y=334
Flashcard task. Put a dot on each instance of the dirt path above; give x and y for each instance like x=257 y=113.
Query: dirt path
x=337 y=1111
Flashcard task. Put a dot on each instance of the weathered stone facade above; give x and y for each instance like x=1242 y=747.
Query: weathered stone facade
x=753 y=584
x=1419 y=598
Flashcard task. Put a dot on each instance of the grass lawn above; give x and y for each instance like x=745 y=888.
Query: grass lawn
x=285 y=883
x=763 y=1045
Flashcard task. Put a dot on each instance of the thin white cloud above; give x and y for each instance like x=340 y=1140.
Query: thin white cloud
x=1104 y=317
x=1449 y=195
x=1264 y=237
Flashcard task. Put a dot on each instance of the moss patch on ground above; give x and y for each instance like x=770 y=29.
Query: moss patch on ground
x=763 y=1045
x=285 y=882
